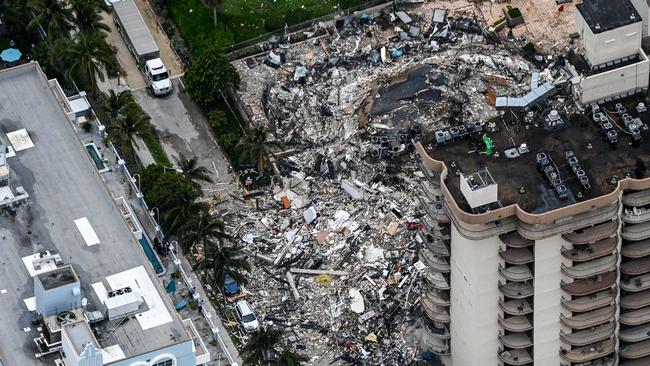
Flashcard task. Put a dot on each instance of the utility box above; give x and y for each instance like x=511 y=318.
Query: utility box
x=479 y=188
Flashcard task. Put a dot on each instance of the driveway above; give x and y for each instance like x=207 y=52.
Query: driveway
x=182 y=129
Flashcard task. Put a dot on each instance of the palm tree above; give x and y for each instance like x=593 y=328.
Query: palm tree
x=181 y=207
x=54 y=16
x=255 y=146
x=125 y=129
x=202 y=229
x=214 y=4
x=13 y=13
x=288 y=358
x=260 y=349
x=87 y=16
x=193 y=172
x=90 y=55
x=219 y=259
x=117 y=103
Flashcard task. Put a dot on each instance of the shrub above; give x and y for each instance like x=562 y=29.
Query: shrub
x=217 y=119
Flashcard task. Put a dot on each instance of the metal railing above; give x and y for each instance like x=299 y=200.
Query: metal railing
x=216 y=333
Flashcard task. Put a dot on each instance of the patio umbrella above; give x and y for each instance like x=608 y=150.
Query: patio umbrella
x=10 y=55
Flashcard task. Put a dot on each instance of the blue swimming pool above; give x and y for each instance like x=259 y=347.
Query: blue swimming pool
x=148 y=250
x=94 y=153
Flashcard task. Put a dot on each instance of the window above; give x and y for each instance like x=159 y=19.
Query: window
x=164 y=363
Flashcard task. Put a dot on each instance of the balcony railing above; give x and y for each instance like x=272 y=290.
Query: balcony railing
x=636 y=267
x=635 y=334
x=516 y=340
x=517 y=290
x=589 y=319
x=643 y=361
x=519 y=323
x=517 y=256
x=436 y=264
x=591 y=268
x=636 y=215
x=636 y=300
x=436 y=345
x=636 y=199
x=589 y=336
x=592 y=234
x=439 y=331
x=598 y=249
x=590 y=302
x=516 y=307
x=636 y=284
x=436 y=280
x=636 y=249
x=590 y=285
x=438 y=247
x=635 y=350
x=516 y=273
x=588 y=353
x=635 y=317
x=436 y=313
x=438 y=297
x=514 y=240
x=636 y=232
x=515 y=357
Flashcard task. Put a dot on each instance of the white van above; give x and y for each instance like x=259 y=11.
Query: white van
x=245 y=316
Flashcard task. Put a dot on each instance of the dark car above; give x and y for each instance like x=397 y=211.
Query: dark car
x=230 y=286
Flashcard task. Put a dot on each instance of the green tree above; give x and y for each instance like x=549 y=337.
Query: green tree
x=125 y=129
x=203 y=229
x=89 y=55
x=54 y=16
x=219 y=259
x=256 y=147
x=14 y=15
x=116 y=103
x=180 y=207
x=209 y=76
x=193 y=172
x=288 y=358
x=88 y=16
x=261 y=347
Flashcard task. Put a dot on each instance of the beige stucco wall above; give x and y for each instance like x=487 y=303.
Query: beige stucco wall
x=474 y=300
x=607 y=46
x=643 y=9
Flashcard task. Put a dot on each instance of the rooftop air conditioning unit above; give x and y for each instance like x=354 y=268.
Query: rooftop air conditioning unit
x=124 y=302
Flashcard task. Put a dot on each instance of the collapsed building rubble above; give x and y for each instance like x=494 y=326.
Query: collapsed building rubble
x=345 y=240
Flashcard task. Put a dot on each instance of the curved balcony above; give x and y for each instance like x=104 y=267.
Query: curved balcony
x=636 y=250
x=640 y=198
x=515 y=357
x=519 y=323
x=590 y=302
x=436 y=345
x=514 y=240
x=436 y=280
x=589 y=336
x=636 y=267
x=636 y=300
x=438 y=332
x=591 y=268
x=636 y=232
x=438 y=247
x=636 y=215
x=516 y=273
x=590 y=285
x=635 y=334
x=436 y=313
x=436 y=264
x=635 y=317
x=437 y=297
x=516 y=307
x=644 y=361
x=517 y=290
x=636 y=284
x=516 y=340
x=592 y=234
x=635 y=350
x=588 y=353
x=588 y=252
x=589 y=319
x=517 y=256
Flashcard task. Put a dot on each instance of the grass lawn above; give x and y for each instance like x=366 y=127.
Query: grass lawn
x=240 y=20
x=157 y=151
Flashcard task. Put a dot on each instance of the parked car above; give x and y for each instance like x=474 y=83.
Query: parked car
x=245 y=316
x=230 y=286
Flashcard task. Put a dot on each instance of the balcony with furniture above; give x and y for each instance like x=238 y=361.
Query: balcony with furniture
x=590 y=302
x=589 y=319
x=582 y=253
x=517 y=256
x=592 y=234
x=589 y=336
x=588 y=353
x=590 y=285
x=591 y=268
